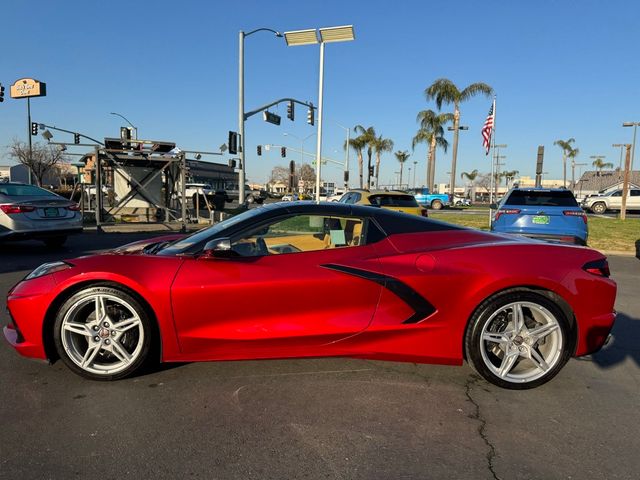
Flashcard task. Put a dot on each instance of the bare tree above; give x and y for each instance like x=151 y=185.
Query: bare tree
x=307 y=174
x=43 y=158
x=280 y=174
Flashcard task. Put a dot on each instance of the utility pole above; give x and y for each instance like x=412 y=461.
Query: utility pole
x=625 y=184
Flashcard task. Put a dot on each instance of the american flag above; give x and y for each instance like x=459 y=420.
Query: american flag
x=487 y=128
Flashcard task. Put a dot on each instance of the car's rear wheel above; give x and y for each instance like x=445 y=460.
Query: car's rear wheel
x=55 y=242
x=102 y=333
x=599 y=207
x=436 y=204
x=518 y=340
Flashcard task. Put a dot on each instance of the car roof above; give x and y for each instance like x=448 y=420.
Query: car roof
x=541 y=189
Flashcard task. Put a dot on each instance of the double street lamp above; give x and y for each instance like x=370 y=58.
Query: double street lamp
x=321 y=36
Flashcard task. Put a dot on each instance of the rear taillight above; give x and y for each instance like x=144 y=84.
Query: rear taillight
x=506 y=211
x=10 y=209
x=575 y=213
x=74 y=208
x=424 y=213
x=598 y=267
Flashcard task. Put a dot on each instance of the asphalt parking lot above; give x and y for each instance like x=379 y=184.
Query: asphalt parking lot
x=318 y=418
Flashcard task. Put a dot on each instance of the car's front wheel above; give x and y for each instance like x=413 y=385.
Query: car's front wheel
x=518 y=340
x=599 y=207
x=436 y=204
x=102 y=333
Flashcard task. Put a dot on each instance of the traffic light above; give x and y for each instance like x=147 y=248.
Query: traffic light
x=346 y=175
x=34 y=128
x=1 y=93
x=310 y=115
x=371 y=171
x=76 y=138
x=233 y=143
x=259 y=149
x=290 y=110
x=232 y=162
x=283 y=152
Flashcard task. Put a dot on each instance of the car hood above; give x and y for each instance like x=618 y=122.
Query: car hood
x=136 y=248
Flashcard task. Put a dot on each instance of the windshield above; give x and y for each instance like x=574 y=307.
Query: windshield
x=25 y=191
x=207 y=234
x=542 y=198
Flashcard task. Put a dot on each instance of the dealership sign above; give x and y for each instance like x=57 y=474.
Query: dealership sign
x=28 y=87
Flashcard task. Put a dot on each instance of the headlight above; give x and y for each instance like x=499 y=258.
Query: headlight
x=48 y=268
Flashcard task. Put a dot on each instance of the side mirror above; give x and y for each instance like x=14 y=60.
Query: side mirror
x=218 y=248
x=493 y=206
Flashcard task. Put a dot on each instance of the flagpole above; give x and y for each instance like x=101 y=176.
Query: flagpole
x=493 y=155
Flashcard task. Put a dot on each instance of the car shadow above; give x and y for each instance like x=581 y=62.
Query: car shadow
x=638 y=249
x=624 y=344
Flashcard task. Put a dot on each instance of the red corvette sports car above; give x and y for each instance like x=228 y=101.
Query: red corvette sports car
x=308 y=280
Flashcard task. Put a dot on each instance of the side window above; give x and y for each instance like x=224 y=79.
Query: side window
x=355 y=198
x=302 y=233
x=635 y=193
x=617 y=194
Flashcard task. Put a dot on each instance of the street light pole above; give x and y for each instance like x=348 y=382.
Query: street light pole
x=621 y=145
x=135 y=129
x=309 y=37
x=241 y=155
x=452 y=181
x=301 y=140
x=633 y=148
x=415 y=162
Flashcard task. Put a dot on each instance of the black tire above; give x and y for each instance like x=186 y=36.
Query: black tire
x=143 y=346
x=55 y=242
x=599 y=207
x=478 y=353
x=436 y=205
x=260 y=201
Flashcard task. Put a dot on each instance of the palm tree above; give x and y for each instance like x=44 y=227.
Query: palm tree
x=471 y=176
x=601 y=165
x=431 y=132
x=368 y=136
x=509 y=176
x=357 y=144
x=444 y=90
x=402 y=157
x=572 y=155
x=566 y=147
x=381 y=145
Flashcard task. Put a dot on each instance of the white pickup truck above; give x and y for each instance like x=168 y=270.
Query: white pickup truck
x=612 y=201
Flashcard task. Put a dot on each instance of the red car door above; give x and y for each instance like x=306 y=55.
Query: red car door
x=273 y=305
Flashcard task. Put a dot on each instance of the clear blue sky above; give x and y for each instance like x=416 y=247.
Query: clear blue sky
x=560 y=69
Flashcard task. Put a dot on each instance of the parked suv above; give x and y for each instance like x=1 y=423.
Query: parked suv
x=612 y=201
x=543 y=213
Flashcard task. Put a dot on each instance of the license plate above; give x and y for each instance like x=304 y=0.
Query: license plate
x=51 y=212
x=541 y=220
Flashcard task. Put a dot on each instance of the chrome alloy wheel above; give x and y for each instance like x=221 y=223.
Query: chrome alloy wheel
x=102 y=334
x=521 y=342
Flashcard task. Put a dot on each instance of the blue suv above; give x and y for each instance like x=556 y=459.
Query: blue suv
x=544 y=213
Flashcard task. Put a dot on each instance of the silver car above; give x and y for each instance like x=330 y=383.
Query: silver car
x=27 y=212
